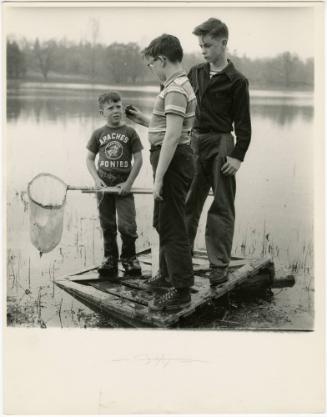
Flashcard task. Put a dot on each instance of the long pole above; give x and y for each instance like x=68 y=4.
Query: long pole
x=112 y=190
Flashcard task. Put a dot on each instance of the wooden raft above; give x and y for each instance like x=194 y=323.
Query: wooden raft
x=127 y=300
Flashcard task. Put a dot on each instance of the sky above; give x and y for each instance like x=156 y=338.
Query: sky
x=254 y=31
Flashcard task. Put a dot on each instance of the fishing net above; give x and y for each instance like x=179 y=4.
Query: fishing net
x=47 y=196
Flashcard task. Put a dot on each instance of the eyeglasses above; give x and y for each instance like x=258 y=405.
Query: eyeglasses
x=150 y=64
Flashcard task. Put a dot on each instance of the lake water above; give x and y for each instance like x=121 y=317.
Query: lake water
x=47 y=131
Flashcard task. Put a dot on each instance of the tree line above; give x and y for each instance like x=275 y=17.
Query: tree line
x=122 y=63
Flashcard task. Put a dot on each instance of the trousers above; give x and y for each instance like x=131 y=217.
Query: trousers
x=110 y=208
x=210 y=151
x=175 y=256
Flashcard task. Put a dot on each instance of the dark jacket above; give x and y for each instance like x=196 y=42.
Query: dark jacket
x=223 y=104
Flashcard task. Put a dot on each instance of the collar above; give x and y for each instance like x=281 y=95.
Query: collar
x=229 y=70
x=173 y=78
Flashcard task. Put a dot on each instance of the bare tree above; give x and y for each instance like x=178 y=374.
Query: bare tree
x=95 y=29
x=45 y=56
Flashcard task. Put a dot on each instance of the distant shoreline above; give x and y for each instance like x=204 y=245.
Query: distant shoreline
x=142 y=89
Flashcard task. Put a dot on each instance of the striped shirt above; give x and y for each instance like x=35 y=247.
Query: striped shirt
x=177 y=97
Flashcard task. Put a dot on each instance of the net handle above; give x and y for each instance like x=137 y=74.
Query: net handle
x=110 y=190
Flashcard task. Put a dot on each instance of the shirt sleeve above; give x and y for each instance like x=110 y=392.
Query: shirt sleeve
x=93 y=143
x=176 y=102
x=136 y=144
x=242 y=119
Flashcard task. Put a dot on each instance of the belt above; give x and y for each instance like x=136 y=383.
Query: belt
x=157 y=147
x=112 y=176
x=209 y=131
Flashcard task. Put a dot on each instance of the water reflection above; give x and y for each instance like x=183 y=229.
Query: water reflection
x=42 y=106
x=282 y=114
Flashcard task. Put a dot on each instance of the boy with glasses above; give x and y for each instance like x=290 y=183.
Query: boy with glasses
x=172 y=161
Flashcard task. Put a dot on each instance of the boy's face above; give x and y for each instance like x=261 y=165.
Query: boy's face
x=112 y=112
x=212 y=48
x=157 y=66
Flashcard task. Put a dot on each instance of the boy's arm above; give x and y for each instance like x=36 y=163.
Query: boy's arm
x=168 y=148
x=126 y=186
x=90 y=163
x=242 y=119
x=242 y=127
x=175 y=108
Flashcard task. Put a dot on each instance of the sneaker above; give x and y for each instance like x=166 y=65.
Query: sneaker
x=158 y=282
x=109 y=266
x=174 y=299
x=218 y=276
x=131 y=265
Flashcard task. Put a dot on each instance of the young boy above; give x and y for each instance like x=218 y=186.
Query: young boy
x=223 y=105
x=172 y=162
x=116 y=144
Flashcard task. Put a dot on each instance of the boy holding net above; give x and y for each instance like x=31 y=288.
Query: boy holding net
x=116 y=144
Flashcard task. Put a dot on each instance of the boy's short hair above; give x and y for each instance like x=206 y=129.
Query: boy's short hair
x=213 y=27
x=113 y=96
x=167 y=45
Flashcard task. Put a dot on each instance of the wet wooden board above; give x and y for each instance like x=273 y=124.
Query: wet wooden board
x=127 y=299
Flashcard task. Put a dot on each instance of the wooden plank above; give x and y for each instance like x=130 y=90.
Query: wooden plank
x=234 y=279
x=136 y=296
x=234 y=263
x=87 y=276
x=127 y=311
x=146 y=258
x=201 y=253
x=83 y=271
x=108 y=302
x=131 y=304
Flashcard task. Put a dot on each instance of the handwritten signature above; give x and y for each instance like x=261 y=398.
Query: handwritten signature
x=158 y=360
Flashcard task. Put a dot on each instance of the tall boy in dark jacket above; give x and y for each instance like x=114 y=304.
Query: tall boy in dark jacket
x=222 y=106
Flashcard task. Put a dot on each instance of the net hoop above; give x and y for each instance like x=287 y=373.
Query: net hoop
x=46 y=206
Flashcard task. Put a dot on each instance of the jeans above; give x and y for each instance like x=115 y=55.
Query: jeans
x=175 y=257
x=109 y=205
x=210 y=151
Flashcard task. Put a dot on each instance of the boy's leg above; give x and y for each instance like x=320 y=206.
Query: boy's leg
x=197 y=194
x=221 y=214
x=127 y=229
x=163 y=270
x=127 y=224
x=107 y=215
x=174 y=244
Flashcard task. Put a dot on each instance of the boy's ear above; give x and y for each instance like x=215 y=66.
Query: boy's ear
x=224 y=42
x=163 y=59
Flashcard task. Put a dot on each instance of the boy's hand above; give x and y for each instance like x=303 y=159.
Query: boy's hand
x=134 y=114
x=231 y=166
x=99 y=183
x=157 y=190
x=124 y=188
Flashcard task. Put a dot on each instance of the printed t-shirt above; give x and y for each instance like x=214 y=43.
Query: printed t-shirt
x=115 y=146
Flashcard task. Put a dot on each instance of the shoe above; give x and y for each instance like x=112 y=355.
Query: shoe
x=218 y=276
x=174 y=299
x=109 y=266
x=158 y=282
x=131 y=265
